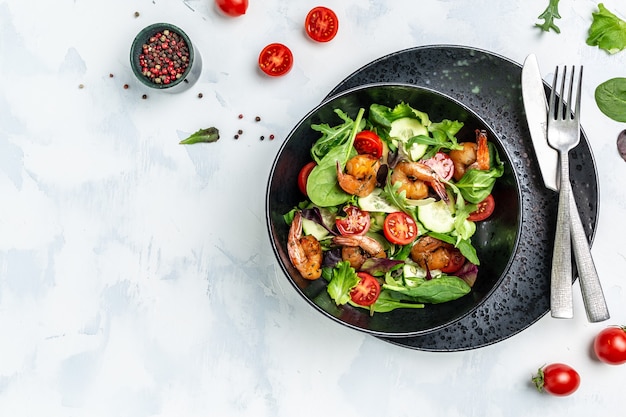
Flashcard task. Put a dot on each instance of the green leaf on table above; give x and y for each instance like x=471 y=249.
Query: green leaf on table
x=549 y=15
x=607 y=31
x=611 y=98
x=208 y=135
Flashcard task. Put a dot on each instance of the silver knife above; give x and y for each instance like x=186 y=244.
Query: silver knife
x=535 y=105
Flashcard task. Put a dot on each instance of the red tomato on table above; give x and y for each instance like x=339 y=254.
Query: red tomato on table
x=366 y=292
x=321 y=24
x=557 y=379
x=232 y=8
x=610 y=345
x=400 y=228
x=356 y=221
x=276 y=59
x=484 y=210
x=368 y=142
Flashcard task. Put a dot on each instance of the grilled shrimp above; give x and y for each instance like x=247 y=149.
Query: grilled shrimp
x=472 y=156
x=431 y=253
x=305 y=252
x=360 y=176
x=415 y=178
x=357 y=248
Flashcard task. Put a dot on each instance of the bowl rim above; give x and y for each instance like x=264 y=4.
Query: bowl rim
x=141 y=38
x=518 y=215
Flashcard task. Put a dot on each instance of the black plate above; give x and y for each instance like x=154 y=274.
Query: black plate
x=490 y=85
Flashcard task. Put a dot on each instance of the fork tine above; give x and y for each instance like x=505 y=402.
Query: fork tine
x=552 y=109
x=568 y=112
x=580 y=93
x=559 y=111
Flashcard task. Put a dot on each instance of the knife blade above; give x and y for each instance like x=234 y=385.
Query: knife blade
x=536 y=106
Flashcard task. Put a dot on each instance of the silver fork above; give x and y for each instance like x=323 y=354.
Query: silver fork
x=563 y=135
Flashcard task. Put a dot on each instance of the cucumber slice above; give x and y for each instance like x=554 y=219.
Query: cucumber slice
x=404 y=129
x=375 y=203
x=309 y=227
x=436 y=217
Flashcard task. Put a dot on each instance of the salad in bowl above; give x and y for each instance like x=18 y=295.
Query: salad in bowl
x=396 y=190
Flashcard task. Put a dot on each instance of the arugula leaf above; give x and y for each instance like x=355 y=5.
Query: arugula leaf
x=331 y=136
x=611 y=98
x=322 y=187
x=344 y=278
x=549 y=15
x=208 y=135
x=607 y=31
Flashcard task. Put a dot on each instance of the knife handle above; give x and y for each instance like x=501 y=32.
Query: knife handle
x=561 y=296
x=590 y=286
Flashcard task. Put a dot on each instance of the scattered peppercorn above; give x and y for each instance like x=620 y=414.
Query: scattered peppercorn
x=81 y=86
x=200 y=95
x=136 y=14
x=241 y=116
x=164 y=58
x=272 y=137
x=145 y=96
x=258 y=119
x=125 y=86
x=110 y=75
x=240 y=131
x=262 y=137
x=236 y=136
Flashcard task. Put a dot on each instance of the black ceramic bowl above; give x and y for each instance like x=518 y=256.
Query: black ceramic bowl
x=495 y=239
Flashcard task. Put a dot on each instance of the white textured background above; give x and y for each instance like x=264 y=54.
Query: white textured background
x=136 y=276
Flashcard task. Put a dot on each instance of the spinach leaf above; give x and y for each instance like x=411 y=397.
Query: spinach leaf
x=388 y=301
x=344 y=278
x=549 y=15
x=607 y=31
x=611 y=98
x=437 y=290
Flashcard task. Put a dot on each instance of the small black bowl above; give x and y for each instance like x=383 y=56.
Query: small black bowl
x=495 y=239
x=187 y=78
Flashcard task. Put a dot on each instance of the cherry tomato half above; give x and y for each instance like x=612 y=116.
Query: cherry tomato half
x=610 y=345
x=442 y=164
x=557 y=379
x=484 y=210
x=366 y=292
x=356 y=222
x=400 y=228
x=457 y=260
x=303 y=176
x=368 y=142
x=275 y=59
x=232 y=7
x=321 y=24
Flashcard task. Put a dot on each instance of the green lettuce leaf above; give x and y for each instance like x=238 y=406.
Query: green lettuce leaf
x=607 y=31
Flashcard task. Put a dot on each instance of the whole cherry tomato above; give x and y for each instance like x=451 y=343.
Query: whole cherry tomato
x=232 y=7
x=557 y=379
x=610 y=345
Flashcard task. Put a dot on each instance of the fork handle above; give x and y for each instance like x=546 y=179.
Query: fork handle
x=561 y=297
x=593 y=297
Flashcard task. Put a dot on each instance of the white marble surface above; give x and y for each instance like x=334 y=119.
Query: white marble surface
x=136 y=276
